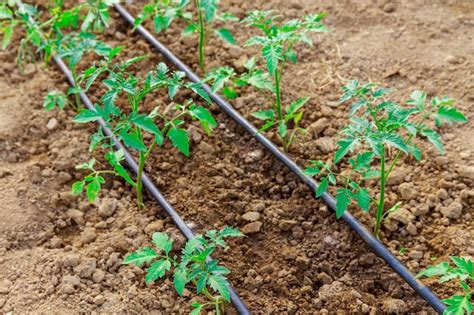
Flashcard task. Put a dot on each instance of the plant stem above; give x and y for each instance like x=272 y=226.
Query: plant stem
x=139 y=184
x=202 y=37
x=381 y=203
x=277 y=95
x=76 y=94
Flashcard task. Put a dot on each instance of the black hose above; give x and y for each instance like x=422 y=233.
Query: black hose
x=182 y=226
x=354 y=224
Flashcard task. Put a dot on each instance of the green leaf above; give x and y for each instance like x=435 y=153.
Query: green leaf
x=190 y=29
x=77 y=187
x=197 y=309
x=157 y=270
x=396 y=141
x=322 y=188
x=54 y=98
x=226 y=35
x=140 y=257
x=93 y=188
x=272 y=55
x=7 y=36
x=266 y=114
x=417 y=98
x=415 y=151
x=436 y=270
x=345 y=145
x=311 y=170
x=296 y=105
x=342 y=202
x=230 y=232
x=210 y=9
x=363 y=199
x=163 y=242
x=133 y=141
x=450 y=114
x=434 y=138
x=180 y=280
x=146 y=123
x=219 y=284
x=458 y=305
x=87 y=115
x=179 y=138
x=204 y=116
x=282 y=129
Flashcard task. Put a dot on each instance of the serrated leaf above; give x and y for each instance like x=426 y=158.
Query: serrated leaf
x=436 y=270
x=163 y=242
x=312 y=170
x=296 y=105
x=434 y=138
x=180 y=140
x=87 y=115
x=133 y=141
x=345 y=145
x=230 y=232
x=205 y=118
x=157 y=270
x=226 y=35
x=77 y=187
x=210 y=9
x=180 y=280
x=415 y=151
x=146 y=123
x=92 y=189
x=458 y=305
x=323 y=187
x=282 y=129
x=272 y=55
x=219 y=284
x=342 y=202
x=363 y=199
x=197 y=309
x=265 y=114
x=140 y=257
x=450 y=114
x=396 y=141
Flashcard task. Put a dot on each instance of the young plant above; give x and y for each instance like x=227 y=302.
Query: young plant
x=164 y=12
x=193 y=267
x=380 y=132
x=462 y=271
x=277 y=49
x=132 y=126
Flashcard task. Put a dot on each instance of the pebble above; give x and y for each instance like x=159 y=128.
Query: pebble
x=441 y=160
x=251 y=216
x=5 y=286
x=205 y=147
x=88 y=235
x=286 y=225
x=120 y=35
x=318 y=127
x=408 y=191
x=402 y=215
x=258 y=207
x=107 y=207
x=155 y=226
x=253 y=227
x=29 y=70
x=52 y=124
x=254 y=156
x=442 y=194
x=71 y=260
x=466 y=172
x=394 y=306
x=397 y=177
x=328 y=292
x=235 y=51
x=86 y=268
x=415 y=255
x=76 y=215
x=325 y=144
x=69 y=283
x=452 y=211
x=98 y=276
x=389 y=7
x=411 y=229
x=99 y=300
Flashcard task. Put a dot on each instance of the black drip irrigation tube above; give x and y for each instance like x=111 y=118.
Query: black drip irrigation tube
x=347 y=217
x=152 y=189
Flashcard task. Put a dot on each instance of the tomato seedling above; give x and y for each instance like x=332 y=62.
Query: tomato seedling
x=463 y=272
x=277 y=49
x=379 y=126
x=130 y=127
x=192 y=267
x=163 y=12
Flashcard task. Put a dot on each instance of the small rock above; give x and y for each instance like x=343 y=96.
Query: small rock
x=466 y=172
x=453 y=211
x=286 y=225
x=415 y=255
x=98 y=276
x=325 y=144
x=107 y=207
x=55 y=242
x=318 y=127
x=88 y=235
x=367 y=260
x=29 y=70
x=194 y=134
x=71 y=260
x=442 y=194
x=251 y=216
x=5 y=286
x=253 y=227
x=258 y=207
x=235 y=51
x=120 y=35
x=155 y=226
x=389 y=7
x=324 y=278
x=69 y=283
x=397 y=177
x=86 y=268
x=402 y=215
x=408 y=191
x=206 y=148
x=394 y=306
x=52 y=124
x=411 y=229
x=99 y=300
x=254 y=156
x=76 y=215
x=451 y=59
x=441 y=160
x=329 y=291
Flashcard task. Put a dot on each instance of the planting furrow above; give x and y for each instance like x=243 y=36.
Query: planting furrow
x=148 y=184
x=353 y=223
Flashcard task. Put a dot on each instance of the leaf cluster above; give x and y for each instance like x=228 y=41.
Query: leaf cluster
x=463 y=271
x=194 y=265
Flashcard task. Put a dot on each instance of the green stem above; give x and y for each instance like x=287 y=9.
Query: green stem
x=202 y=37
x=76 y=94
x=277 y=95
x=139 y=184
x=381 y=203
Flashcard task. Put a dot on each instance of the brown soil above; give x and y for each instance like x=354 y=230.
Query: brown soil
x=60 y=254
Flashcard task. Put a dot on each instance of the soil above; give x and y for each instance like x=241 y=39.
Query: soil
x=59 y=253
